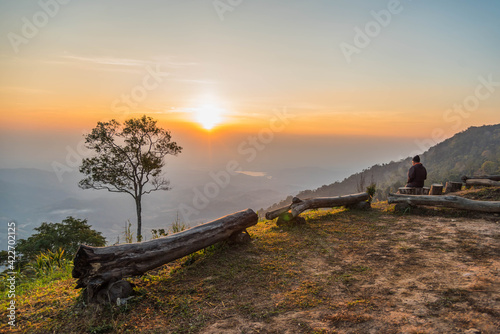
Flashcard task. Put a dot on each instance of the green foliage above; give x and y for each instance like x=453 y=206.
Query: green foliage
x=129 y=159
x=371 y=190
x=54 y=237
x=178 y=227
x=159 y=233
x=489 y=167
x=129 y=237
x=47 y=261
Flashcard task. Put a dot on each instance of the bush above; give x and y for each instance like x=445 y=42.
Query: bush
x=56 y=238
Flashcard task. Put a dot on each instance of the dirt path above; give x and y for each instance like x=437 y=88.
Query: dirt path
x=414 y=275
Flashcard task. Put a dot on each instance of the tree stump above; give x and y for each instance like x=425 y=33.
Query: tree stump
x=242 y=237
x=411 y=191
x=436 y=189
x=452 y=187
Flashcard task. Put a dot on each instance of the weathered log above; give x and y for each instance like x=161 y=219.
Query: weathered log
x=97 y=267
x=488 y=177
x=436 y=189
x=297 y=207
x=482 y=183
x=452 y=187
x=446 y=201
x=414 y=191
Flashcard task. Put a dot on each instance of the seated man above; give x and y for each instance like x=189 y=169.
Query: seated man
x=417 y=173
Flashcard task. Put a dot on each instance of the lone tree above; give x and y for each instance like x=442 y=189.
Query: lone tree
x=129 y=159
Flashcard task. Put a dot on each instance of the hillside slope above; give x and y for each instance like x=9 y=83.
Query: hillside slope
x=344 y=271
x=473 y=151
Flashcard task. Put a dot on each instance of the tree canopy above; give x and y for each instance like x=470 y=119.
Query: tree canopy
x=129 y=159
x=68 y=235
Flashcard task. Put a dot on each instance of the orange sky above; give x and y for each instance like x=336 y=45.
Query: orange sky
x=171 y=60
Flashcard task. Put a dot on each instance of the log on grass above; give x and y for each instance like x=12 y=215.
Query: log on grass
x=452 y=187
x=436 y=189
x=446 y=201
x=99 y=267
x=485 y=177
x=298 y=206
x=482 y=183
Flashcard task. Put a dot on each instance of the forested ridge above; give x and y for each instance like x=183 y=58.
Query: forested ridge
x=474 y=151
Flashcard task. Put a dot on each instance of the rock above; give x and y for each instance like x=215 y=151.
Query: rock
x=472 y=331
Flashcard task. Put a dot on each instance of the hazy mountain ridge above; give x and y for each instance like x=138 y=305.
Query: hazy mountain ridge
x=32 y=196
x=470 y=152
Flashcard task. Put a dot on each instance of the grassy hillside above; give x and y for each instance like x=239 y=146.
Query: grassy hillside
x=471 y=152
x=434 y=271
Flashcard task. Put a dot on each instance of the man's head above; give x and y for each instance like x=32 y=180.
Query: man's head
x=415 y=160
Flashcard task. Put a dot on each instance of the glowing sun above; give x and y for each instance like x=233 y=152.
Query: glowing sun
x=208 y=116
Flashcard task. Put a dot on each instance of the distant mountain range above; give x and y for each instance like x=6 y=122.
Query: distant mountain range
x=33 y=196
x=474 y=151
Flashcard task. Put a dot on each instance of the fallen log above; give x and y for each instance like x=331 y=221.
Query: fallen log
x=97 y=268
x=482 y=183
x=298 y=206
x=487 y=177
x=446 y=201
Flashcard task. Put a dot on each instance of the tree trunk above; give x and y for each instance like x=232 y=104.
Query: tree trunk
x=436 y=189
x=482 y=183
x=447 y=201
x=487 y=177
x=293 y=210
x=97 y=267
x=138 y=208
x=452 y=187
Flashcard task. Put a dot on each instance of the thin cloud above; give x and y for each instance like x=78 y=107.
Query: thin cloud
x=130 y=65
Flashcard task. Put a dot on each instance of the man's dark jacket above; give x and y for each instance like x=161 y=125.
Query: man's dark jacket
x=416 y=176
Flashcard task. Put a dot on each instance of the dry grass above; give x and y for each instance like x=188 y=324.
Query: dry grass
x=344 y=271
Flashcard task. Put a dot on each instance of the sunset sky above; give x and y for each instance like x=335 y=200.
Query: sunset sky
x=214 y=72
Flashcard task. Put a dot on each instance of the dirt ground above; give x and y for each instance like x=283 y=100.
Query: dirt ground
x=420 y=274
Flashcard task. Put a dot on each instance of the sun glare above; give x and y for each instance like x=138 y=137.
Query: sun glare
x=208 y=116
